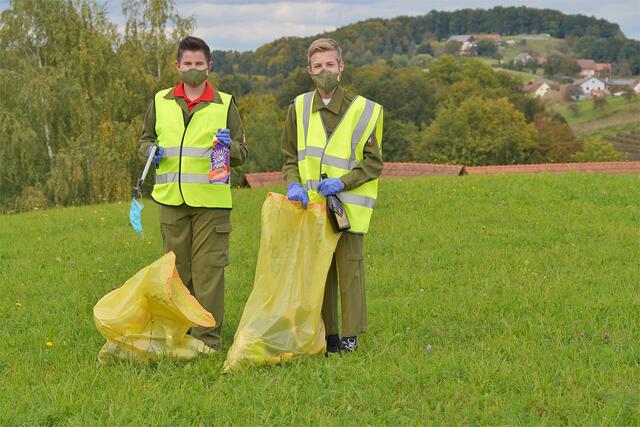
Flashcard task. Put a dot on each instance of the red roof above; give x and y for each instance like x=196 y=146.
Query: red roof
x=394 y=170
x=391 y=169
x=602 y=67
x=495 y=37
x=261 y=179
x=587 y=64
x=416 y=169
x=596 y=167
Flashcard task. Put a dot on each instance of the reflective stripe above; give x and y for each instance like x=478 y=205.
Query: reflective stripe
x=306 y=113
x=336 y=162
x=187 y=152
x=358 y=132
x=311 y=184
x=310 y=151
x=356 y=199
x=189 y=178
x=195 y=178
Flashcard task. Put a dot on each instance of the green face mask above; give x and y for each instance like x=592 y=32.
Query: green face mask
x=325 y=80
x=194 y=77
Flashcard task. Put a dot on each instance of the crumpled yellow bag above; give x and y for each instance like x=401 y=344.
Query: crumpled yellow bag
x=282 y=318
x=149 y=316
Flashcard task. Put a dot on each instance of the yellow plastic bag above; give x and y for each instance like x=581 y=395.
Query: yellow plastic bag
x=282 y=318
x=149 y=316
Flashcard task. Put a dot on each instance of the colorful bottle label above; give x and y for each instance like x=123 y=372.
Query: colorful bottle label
x=219 y=171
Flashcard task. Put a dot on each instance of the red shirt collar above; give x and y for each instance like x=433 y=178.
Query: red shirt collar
x=207 y=95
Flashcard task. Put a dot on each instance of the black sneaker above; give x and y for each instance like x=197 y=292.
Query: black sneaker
x=212 y=346
x=349 y=344
x=333 y=344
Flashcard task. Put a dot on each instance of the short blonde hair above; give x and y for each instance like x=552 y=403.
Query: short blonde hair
x=324 y=45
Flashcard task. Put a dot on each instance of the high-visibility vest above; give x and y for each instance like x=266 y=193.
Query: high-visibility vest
x=338 y=154
x=182 y=174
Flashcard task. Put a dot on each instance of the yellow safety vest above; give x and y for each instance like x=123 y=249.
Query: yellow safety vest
x=182 y=174
x=340 y=153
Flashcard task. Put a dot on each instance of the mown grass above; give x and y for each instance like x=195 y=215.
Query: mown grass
x=627 y=128
x=525 y=289
x=541 y=46
x=616 y=105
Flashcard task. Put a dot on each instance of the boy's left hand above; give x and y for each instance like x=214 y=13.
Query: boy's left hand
x=330 y=186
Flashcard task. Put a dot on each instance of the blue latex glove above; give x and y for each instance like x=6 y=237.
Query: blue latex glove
x=297 y=193
x=224 y=136
x=158 y=156
x=330 y=186
x=134 y=215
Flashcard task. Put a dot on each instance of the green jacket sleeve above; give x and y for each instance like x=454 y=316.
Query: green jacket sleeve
x=289 y=148
x=149 y=136
x=239 y=149
x=371 y=165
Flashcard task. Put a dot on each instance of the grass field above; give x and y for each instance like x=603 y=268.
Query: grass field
x=525 y=289
x=617 y=115
x=543 y=46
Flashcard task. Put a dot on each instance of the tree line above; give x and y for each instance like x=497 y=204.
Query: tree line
x=77 y=90
x=373 y=39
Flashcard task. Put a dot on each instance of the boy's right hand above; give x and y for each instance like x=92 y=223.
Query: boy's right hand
x=296 y=192
x=158 y=155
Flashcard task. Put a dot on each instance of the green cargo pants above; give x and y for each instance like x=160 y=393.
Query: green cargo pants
x=346 y=272
x=200 y=239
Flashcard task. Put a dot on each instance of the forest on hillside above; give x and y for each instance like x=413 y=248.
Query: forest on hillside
x=78 y=90
x=373 y=39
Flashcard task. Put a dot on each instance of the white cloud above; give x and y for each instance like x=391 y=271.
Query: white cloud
x=247 y=24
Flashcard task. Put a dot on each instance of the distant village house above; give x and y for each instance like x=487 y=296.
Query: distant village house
x=620 y=86
x=589 y=87
x=523 y=58
x=537 y=89
x=589 y=68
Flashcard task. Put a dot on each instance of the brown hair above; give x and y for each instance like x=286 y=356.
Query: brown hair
x=324 y=45
x=193 y=44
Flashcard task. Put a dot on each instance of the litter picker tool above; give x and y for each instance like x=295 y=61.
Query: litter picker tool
x=135 y=210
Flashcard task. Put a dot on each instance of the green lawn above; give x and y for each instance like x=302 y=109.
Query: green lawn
x=618 y=115
x=524 y=287
x=543 y=47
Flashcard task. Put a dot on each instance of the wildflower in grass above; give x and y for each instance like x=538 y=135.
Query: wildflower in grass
x=49 y=344
x=18 y=304
x=429 y=347
x=606 y=335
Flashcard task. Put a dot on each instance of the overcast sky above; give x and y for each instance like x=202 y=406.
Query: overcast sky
x=247 y=24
